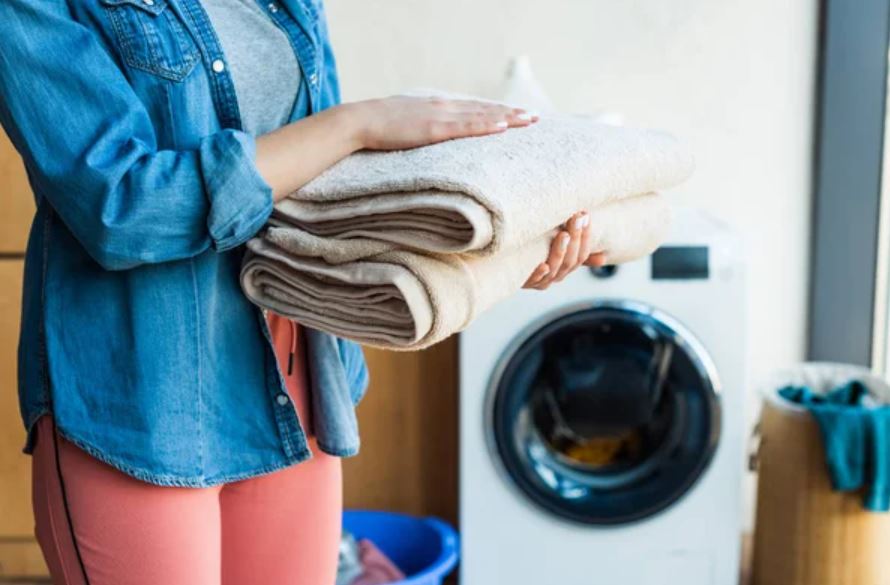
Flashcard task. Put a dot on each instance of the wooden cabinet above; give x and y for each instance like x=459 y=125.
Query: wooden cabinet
x=16 y=202
x=408 y=424
x=19 y=553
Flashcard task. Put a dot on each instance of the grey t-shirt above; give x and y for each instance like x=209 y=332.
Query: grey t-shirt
x=260 y=59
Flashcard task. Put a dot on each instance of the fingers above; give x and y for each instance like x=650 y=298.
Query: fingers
x=463 y=126
x=540 y=272
x=579 y=245
x=480 y=123
x=570 y=259
x=514 y=117
x=463 y=118
x=570 y=249
x=405 y=122
x=558 y=249
x=597 y=260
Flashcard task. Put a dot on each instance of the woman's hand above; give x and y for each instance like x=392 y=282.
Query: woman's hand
x=571 y=248
x=402 y=122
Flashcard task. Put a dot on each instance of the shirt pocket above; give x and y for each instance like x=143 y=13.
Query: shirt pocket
x=152 y=37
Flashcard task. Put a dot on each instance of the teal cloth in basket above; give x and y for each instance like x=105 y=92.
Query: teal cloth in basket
x=856 y=437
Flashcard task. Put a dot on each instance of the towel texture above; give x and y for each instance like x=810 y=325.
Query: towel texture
x=485 y=194
x=378 y=569
x=402 y=249
x=401 y=299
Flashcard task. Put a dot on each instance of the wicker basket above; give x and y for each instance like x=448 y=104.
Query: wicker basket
x=807 y=534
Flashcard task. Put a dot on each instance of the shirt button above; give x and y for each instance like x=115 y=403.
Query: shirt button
x=148 y=2
x=313 y=79
x=219 y=66
x=282 y=399
x=273 y=8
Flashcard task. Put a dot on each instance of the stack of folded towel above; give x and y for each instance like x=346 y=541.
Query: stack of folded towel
x=402 y=249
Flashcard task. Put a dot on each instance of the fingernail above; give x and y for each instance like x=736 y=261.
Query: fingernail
x=585 y=221
x=545 y=270
x=501 y=124
x=578 y=223
x=564 y=242
x=525 y=117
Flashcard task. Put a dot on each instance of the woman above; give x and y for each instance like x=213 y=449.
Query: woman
x=181 y=436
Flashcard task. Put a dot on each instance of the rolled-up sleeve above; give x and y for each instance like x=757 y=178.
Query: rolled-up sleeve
x=240 y=200
x=91 y=149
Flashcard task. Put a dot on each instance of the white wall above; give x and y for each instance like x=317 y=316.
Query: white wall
x=733 y=78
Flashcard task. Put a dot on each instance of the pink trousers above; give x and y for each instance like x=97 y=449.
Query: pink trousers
x=99 y=526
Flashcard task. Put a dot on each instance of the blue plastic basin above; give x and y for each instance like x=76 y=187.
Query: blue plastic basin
x=425 y=549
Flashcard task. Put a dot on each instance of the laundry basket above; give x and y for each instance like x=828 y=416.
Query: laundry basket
x=806 y=533
x=425 y=549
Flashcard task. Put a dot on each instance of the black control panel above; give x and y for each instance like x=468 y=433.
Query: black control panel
x=680 y=263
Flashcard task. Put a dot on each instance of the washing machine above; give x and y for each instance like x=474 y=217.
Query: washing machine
x=602 y=423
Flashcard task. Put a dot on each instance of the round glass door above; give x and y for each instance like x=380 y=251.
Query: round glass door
x=605 y=415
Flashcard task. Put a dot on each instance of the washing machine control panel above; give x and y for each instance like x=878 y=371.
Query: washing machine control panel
x=681 y=263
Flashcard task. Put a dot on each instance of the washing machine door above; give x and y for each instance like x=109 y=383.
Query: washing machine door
x=606 y=414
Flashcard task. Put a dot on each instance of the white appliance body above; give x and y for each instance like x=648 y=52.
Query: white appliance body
x=507 y=539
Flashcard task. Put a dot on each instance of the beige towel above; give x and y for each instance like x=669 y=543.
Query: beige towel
x=485 y=194
x=398 y=299
x=402 y=249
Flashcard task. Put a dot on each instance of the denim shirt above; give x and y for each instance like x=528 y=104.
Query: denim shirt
x=135 y=333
